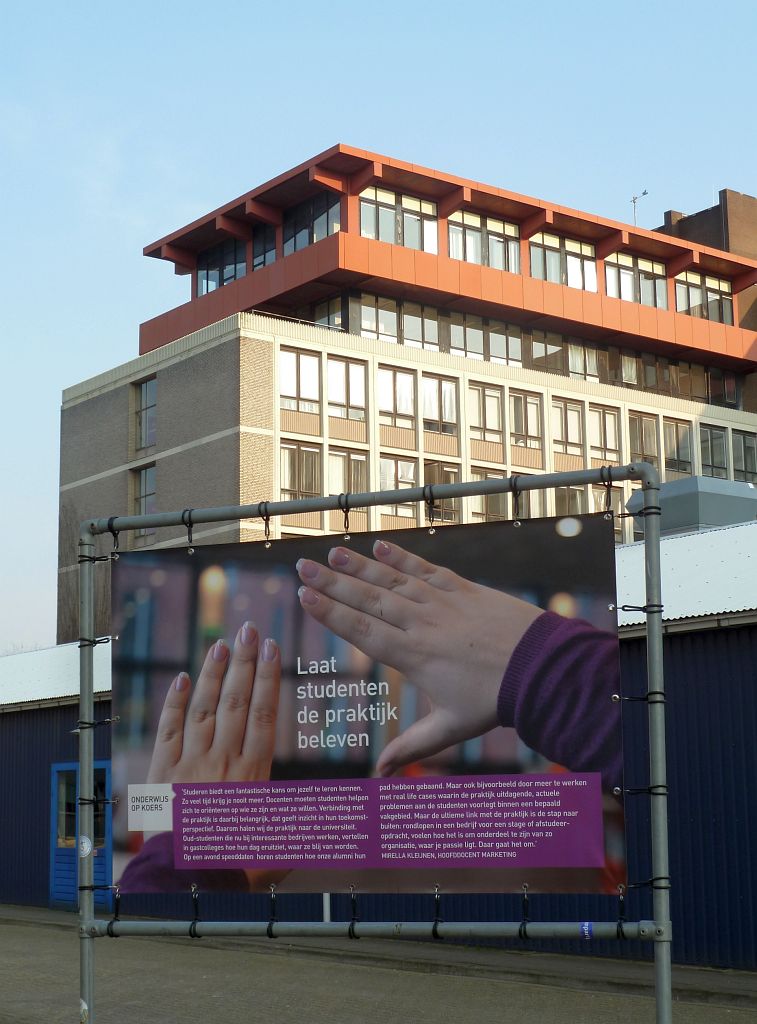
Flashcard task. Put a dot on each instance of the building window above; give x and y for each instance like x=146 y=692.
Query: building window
x=487 y=508
x=635 y=279
x=420 y=326
x=348 y=471
x=525 y=420
x=745 y=457
x=439 y=405
x=396 y=397
x=299 y=381
x=563 y=261
x=484 y=240
x=480 y=338
x=378 y=318
x=311 y=221
x=398 y=219
x=677 y=442
x=548 y=352
x=570 y=501
x=599 y=504
x=329 y=313
x=145 y=500
x=713 y=447
x=702 y=296
x=485 y=413
x=398 y=475
x=263 y=246
x=346 y=383
x=604 y=434
x=146 y=413
x=220 y=265
x=722 y=387
x=300 y=470
x=447 y=510
x=567 y=427
x=583 y=360
x=642 y=434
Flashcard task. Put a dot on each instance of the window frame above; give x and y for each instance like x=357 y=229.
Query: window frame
x=443 y=387
x=554 y=258
x=146 y=393
x=707 y=437
x=392 y=417
x=299 y=402
x=525 y=439
x=561 y=410
x=301 y=449
x=479 y=426
x=401 y=210
x=353 y=410
x=405 y=510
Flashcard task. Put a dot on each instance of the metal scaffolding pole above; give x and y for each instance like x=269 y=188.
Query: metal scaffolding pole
x=658 y=931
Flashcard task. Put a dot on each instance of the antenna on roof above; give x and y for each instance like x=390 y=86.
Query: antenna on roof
x=635 y=200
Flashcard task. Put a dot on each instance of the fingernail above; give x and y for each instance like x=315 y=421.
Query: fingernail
x=307 y=569
x=220 y=650
x=381 y=548
x=307 y=596
x=269 y=650
x=338 y=556
x=181 y=682
x=248 y=634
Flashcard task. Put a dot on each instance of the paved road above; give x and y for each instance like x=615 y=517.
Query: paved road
x=167 y=980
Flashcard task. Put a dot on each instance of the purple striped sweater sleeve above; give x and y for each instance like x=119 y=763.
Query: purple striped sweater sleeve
x=556 y=693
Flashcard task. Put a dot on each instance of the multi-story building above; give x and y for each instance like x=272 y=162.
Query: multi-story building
x=361 y=323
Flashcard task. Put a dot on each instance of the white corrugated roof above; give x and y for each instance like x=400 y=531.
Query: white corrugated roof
x=49 y=674
x=712 y=572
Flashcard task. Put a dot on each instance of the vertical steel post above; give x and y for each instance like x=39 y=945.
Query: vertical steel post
x=657 y=759
x=86 y=810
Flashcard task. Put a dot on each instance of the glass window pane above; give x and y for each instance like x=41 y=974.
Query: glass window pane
x=430 y=398
x=472 y=245
x=405 y=403
x=309 y=384
x=288 y=373
x=337 y=383
x=626 y=284
x=387 y=222
x=411 y=230
x=553 y=266
x=449 y=401
x=496 y=252
x=357 y=385
x=590 y=275
x=387 y=319
x=430 y=238
x=455 y=241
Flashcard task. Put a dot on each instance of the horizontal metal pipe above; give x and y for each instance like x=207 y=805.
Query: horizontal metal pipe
x=634 y=471
x=379 y=929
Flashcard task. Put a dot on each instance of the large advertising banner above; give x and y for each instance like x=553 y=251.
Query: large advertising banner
x=388 y=711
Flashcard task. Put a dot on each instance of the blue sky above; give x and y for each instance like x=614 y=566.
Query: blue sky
x=119 y=123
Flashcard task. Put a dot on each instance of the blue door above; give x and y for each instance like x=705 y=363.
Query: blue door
x=64 y=826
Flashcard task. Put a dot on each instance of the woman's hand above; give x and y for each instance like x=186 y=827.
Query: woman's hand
x=450 y=637
x=224 y=730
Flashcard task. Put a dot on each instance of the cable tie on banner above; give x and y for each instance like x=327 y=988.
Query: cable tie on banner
x=650 y=510
x=85 y=641
x=437 y=915
x=523 y=929
x=116 y=911
x=93 y=558
x=620 y=931
x=648 y=609
x=114 y=533
x=657 y=882
x=272 y=919
x=195 y=891
x=94 y=725
x=344 y=505
x=92 y=888
x=354 y=919
x=264 y=515
x=659 y=790
x=516 y=498
x=647 y=698
x=186 y=518
x=428 y=497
